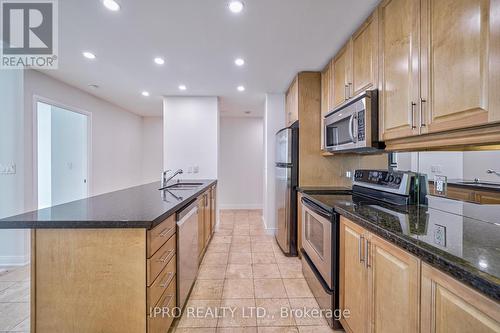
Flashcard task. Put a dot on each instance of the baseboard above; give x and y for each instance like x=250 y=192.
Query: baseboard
x=14 y=260
x=240 y=206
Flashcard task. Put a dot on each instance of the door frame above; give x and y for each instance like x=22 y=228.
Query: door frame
x=45 y=100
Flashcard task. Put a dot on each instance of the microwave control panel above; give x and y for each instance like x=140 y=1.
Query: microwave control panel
x=361 y=126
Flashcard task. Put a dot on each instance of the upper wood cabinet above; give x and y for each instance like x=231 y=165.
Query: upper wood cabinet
x=454 y=63
x=399 y=27
x=292 y=103
x=364 y=45
x=341 y=79
x=326 y=98
x=355 y=67
x=439 y=68
x=449 y=306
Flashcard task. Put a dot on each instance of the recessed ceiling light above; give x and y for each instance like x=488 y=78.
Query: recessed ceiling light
x=239 y=62
x=182 y=87
x=235 y=6
x=145 y=93
x=159 y=61
x=93 y=86
x=241 y=88
x=88 y=55
x=111 y=5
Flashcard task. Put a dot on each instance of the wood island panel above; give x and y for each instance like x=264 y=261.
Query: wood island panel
x=90 y=280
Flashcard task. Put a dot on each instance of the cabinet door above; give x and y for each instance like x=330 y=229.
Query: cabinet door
x=353 y=277
x=365 y=56
x=455 y=63
x=207 y=217
x=450 y=306
x=341 y=73
x=325 y=97
x=292 y=104
x=399 y=21
x=201 y=227
x=394 y=283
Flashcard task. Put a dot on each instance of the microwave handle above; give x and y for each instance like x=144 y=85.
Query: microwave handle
x=351 y=127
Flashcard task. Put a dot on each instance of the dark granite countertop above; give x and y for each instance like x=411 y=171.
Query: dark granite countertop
x=142 y=206
x=459 y=238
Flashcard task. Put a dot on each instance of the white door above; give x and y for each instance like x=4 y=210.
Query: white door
x=62 y=155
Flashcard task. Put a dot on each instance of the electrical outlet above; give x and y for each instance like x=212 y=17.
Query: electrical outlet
x=440 y=235
x=435 y=168
x=348 y=174
x=196 y=169
x=8 y=169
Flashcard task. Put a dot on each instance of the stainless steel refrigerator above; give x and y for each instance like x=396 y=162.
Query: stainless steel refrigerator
x=287 y=176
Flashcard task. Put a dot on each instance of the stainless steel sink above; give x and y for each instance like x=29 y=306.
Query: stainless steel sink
x=181 y=186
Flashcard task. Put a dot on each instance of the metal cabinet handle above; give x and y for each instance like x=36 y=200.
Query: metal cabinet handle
x=165 y=256
x=422 y=121
x=166 y=232
x=167 y=281
x=412 y=110
x=350 y=92
x=367 y=253
x=346 y=92
x=360 y=241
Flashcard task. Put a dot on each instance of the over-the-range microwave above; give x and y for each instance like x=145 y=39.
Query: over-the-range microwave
x=353 y=126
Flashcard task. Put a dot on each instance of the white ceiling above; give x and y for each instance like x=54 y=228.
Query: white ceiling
x=199 y=40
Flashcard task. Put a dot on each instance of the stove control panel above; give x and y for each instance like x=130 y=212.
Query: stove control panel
x=382 y=178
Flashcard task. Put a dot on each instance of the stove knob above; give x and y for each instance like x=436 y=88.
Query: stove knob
x=398 y=180
x=391 y=178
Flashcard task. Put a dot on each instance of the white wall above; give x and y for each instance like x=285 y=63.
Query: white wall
x=241 y=159
x=44 y=130
x=152 y=148
x=477 y=162
x=14 y=244
x=190 y=136
x=274 y=120
x=116 y=160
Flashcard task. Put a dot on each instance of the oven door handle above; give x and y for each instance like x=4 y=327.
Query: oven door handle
x=316 y=208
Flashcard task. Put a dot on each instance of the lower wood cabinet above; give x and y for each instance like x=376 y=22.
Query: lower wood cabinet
x=387 y=289
x=449 y=306
x=206 y=220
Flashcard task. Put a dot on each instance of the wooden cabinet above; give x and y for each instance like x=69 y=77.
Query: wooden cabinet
x=364 y=43
x=292 y=103
x=399 y=27
x=449 y=306
x=439 y=68
x=353 y=277
x=394 y=279
x=455 y=37
x=342 y=75
x=326 y=98
x=377 y=281
x=206 y=220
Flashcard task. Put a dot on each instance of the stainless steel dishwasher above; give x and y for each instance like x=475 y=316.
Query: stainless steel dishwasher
x=187 y=251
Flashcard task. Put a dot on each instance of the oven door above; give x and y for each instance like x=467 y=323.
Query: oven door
x=317 y=239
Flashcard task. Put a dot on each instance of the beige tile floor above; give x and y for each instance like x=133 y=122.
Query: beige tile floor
x=244 y=269
x=14 y=299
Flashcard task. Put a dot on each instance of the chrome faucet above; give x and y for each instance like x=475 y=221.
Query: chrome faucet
x=491 y=171
x=164 y=178
x=178 y=172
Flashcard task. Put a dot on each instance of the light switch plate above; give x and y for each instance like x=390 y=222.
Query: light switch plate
x=440 y=235
x=8 y=169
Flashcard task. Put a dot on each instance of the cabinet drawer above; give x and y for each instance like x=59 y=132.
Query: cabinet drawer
x=163 y=282
x=159 y=260
x=161 y=322
x=160 y=234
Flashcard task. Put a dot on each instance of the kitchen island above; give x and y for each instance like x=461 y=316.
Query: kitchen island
x=104 y=263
